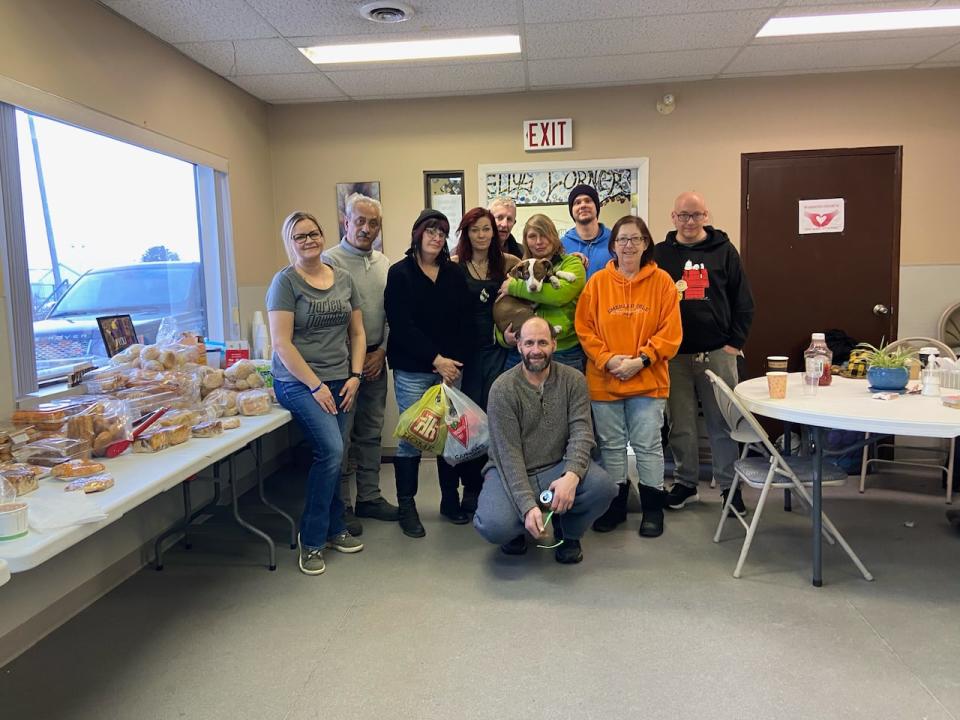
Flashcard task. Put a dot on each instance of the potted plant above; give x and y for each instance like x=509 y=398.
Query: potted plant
x=886 y=368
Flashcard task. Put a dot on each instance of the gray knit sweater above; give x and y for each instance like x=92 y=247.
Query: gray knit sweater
x=369 y=273
x=533 y=428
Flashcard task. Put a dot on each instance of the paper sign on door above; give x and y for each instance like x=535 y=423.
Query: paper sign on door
x=821 y=216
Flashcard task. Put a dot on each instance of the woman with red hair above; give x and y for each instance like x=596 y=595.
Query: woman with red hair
x=484 y=265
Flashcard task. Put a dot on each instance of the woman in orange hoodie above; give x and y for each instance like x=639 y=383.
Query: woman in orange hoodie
x=628 y=322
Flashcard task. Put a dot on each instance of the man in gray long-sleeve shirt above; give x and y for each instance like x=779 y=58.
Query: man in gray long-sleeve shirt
x=541 y=436
x=368 y=269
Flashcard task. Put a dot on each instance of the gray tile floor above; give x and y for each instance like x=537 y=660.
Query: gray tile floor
x=447 y=627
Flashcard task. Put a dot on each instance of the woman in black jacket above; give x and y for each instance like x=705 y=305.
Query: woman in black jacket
x=426 y=302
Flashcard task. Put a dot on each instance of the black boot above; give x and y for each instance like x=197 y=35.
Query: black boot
x=652 y=501
x=616 y=513
x=407 y=470
x=450 y=493
x=472 y=475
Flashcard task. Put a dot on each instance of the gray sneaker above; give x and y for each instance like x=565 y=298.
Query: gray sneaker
x=311 y=559
x=345 y=543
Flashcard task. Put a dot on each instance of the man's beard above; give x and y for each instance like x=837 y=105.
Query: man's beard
x=537 y=365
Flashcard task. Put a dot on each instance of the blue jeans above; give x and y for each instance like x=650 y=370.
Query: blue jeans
x=410 y=387
x=636 y=420
x=572 y=356
x=323 y=509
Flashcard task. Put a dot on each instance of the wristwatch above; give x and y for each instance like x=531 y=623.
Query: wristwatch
x=358 y=376
x=645 y=359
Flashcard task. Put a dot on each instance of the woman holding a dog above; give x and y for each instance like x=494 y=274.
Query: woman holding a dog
x=557 y=300
x=426 y=300
x=628 y=320
x=485 y=266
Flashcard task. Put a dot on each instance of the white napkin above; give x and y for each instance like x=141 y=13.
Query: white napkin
x=73 y=508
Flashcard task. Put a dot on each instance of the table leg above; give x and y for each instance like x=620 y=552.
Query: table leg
x=189 y=515
x=787 y=499
x=817 y=508
x=257 y=457
x=243 y=523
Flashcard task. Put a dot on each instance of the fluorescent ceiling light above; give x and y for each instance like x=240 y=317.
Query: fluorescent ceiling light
x=860 y=22
x=413 y=49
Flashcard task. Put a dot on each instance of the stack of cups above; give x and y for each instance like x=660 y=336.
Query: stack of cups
x=260 y=339
x=777 y=376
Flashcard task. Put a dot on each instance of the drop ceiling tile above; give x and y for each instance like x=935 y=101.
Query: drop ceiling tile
x=654 y=34
x=628 y=68
x=824 y=7
x=839 y=54
x=296 y=86
x=860 y=5
x=951 y=54
x=545 y=11
x=787 y=73
x=269 y=57
x=329 y=18
x=414 y=96
x=219 y=55
x=451 y=79
x=181 y=21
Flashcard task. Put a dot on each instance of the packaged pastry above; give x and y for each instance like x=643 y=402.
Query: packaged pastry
x=21 y=477
x=13 y=436
x=53 y=451
x=224 y=400
x=179 y=417
x=253 y=402
x=207 y=429
x=152 y=441
x=92 y=484
x=178 y=434
x=77 y=468
x=230 y=423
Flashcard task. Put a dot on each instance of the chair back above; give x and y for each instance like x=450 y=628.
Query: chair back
x=735 y=411
x=920 y=342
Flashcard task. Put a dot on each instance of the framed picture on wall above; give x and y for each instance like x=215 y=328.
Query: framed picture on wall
x=344 y=190
x=117 y=332
x=443 y=191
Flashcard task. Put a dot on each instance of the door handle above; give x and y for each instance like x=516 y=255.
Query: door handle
x=880 y=310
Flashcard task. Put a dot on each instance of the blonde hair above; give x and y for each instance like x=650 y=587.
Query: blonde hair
x=544 y=226
x=286 y=232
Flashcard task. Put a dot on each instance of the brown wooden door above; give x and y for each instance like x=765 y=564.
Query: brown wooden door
x=816 y=282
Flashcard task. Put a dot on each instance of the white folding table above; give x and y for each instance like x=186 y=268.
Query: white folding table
x=847 y=404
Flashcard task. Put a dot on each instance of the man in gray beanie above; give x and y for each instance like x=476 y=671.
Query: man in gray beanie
x=588 y=237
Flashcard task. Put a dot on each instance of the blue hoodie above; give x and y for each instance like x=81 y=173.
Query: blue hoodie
x=595 y=250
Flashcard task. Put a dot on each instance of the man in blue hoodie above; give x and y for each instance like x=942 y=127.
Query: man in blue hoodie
x=716 y=310
x=588 y=237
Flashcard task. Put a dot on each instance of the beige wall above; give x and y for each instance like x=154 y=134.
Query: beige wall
x=81 y=51
x=699 y=145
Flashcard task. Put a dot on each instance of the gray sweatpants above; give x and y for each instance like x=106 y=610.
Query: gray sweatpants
x=688 y=381
x=498 y=520
x=361 y=457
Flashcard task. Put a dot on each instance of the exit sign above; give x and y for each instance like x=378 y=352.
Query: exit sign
x=547 y=134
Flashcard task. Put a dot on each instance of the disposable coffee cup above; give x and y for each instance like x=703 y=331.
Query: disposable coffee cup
x=777 y=384
x=777 y=363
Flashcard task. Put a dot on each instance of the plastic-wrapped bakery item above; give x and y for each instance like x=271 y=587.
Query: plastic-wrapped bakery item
x=208 y=429
x=225 y=401
x=15 y=436
x=175 y=417
x=106 y=380
x=152 y=441
x=53 y=451
x=23 y=479
x=92 y=484
x=253 y=402
x=178 y=434
x=230 y=423
x=76 y=469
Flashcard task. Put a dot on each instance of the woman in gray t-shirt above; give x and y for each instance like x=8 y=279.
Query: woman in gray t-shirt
x=313 y=310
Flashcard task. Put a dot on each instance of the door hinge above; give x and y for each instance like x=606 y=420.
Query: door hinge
x=748 y=201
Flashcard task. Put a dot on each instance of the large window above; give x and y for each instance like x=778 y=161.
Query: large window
x=108 y=227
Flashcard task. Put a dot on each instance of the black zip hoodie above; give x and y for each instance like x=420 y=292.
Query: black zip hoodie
x=716 y=306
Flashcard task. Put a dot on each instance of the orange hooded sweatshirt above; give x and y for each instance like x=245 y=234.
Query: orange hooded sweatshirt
x=616 y=316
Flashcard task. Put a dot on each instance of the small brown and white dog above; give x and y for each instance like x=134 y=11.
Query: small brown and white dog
x=509 y=310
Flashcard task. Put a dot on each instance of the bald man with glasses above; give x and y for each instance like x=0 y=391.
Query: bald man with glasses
x=716 y=310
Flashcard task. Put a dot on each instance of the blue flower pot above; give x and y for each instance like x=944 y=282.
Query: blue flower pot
x=887 y=378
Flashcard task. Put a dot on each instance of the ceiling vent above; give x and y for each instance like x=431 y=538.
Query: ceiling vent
x=386 y=12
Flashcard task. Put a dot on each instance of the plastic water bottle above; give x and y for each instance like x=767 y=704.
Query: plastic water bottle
x=818 y=357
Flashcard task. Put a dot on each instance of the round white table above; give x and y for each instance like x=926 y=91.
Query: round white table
x=847 y=404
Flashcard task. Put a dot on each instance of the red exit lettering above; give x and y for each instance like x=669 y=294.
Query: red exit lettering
x=544 y=134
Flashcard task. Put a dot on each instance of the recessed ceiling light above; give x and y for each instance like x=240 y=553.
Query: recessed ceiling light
x=861 y=22
x=413 y=49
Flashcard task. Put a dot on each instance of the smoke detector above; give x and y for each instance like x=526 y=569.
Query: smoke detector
x=386 y=12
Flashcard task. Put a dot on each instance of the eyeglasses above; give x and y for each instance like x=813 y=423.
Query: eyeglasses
x=435 y=232
x=301 y=239
x=636 y=241
x=687 y=217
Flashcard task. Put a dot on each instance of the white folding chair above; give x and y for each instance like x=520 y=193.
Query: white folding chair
x=943 y=456
x=775 y=471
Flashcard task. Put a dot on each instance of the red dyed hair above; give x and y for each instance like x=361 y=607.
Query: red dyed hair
x=464 y=250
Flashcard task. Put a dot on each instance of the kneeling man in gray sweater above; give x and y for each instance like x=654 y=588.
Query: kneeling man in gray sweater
x=541 y=436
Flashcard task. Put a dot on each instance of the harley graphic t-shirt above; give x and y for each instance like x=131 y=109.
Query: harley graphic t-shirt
x=320 y=322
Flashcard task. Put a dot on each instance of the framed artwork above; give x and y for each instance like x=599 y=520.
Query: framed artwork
x=443 y=191
x=344 y=190
x=117 y=332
